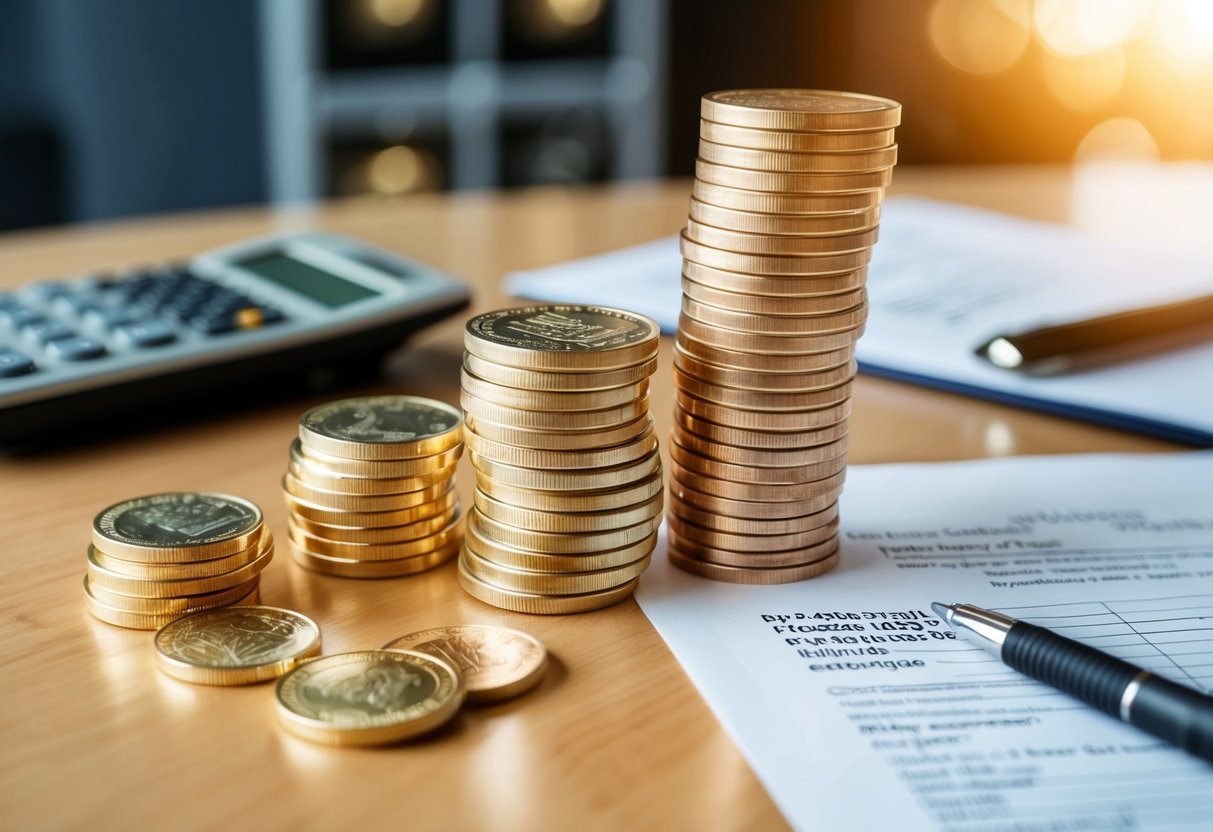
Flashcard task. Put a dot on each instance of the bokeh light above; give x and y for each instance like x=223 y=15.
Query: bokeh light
x=574 y=13
x=396 y=12
x=980 y=36
x=395 y=171
x=1183 y=34
x=1117 y=140
x=1081 y=27
x=1085 y=82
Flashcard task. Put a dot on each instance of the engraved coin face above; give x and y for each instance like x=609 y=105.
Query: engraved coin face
x=381 y=419
x=236 y=645
x=558 y=328
x=175 y=520
x=808 y=101
x=496 y=662
x=368 y=697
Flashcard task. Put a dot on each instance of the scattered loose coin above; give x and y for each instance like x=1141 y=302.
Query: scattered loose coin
x=496 y=663
x=236 y=645
x=369 y=697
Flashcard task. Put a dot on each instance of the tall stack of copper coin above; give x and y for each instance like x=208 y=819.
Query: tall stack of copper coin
x=370 y=486
x=784 y=215
x=568 y=475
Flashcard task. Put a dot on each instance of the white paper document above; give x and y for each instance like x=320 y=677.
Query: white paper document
x=859 y=709
x=946 y=278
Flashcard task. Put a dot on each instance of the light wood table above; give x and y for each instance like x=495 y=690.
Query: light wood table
x=616 y=736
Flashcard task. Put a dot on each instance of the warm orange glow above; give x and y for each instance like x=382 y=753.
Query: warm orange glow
x=1087 y=82
x=1117 y=139
x=1081 y=27
x=395 y=13
x=574 y=13
x=1183 y=34
x=979 y=36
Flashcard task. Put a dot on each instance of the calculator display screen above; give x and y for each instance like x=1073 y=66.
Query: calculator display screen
x=319 y=285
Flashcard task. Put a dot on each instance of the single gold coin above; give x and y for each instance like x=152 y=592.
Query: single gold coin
x=382 y=427
x=756 y=342
x=372 y=569
x=555 y=502
x=593 y=479
x=741 y=575
x=535 y=603
x=370 y=697
x=552 y=400
x=361 y=486
x=824 y=323
x=761 y=439
x=309 y=513
x=559 y=440
x=146 y=621
x=789 y=421
x=505 y=555
x=160 y=606
x=774 y=286
x=755 y=549
x=330 y=500
x=177 y=527
x=748 y=526
x=758 y=457
x=562 y=337
x=579 y=421
x=631 y=451
x=810 y=225
x=760 y=362
x=763 y=382
x=385 y=469
x=745 y=509
x=548 y=380
x=754 y=400
x=174 y=571
x=550 y=583
x=797 y=109
x=116 y=582
x=749 y=242
x=382 y=535
x=755 y=264
x=774 y=305
x=375 y=551
x=567 y=522
x=495 y=663
x=823 y=491
x=760 y=139
x=800 y=161
x=763 y=202
x=791 y=476
x=236 y=645
x=791 y=183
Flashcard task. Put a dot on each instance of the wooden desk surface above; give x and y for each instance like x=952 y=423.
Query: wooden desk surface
x=615 y=737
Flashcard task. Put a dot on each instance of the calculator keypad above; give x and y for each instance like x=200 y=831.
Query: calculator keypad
x=55 y=321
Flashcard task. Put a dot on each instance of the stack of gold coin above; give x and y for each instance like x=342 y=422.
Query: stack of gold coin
x=154 y=559
x=568 y=475
x=371 y=486
x=784 y=215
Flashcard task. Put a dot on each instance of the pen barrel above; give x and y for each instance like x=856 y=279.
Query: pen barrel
x=1083 y=672
x=1177 y=714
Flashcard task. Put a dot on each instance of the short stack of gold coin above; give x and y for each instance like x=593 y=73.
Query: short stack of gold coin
x=154 y=559
x=569 y=489
x=371 y=486
x=784 y=215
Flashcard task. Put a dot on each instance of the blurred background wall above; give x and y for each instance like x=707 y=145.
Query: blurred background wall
x=118 y=107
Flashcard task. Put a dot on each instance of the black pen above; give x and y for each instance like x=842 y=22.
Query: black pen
x=1171 y=712
x=1116 y=337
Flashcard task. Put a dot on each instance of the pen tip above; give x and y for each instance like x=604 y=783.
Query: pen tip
x=940 y=609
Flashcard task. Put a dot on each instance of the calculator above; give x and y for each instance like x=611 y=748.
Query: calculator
x=257 y=315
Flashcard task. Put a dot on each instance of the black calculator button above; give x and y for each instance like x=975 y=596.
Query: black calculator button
x=76 y=303
x=213 y=323
x=18 y=316
x=270 y=315
x=15 y=364
x=113 y=316
x=43 y=332
x=77 y=348
x=146 y=334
